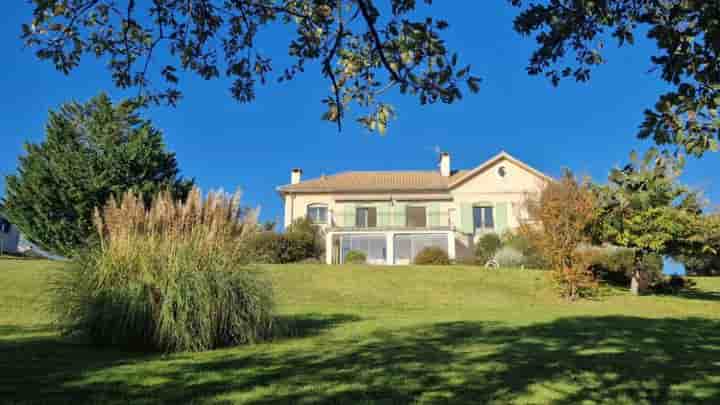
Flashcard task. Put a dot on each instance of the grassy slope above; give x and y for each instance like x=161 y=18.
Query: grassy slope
x=391 y=335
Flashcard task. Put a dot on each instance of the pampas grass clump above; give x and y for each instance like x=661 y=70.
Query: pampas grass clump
x=168 y=277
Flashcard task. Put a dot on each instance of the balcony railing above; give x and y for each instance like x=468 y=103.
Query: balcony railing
x=438 y=220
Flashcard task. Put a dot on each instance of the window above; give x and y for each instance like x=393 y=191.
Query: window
x=502 y=171
x=318 y=213
x=483 y=219
x=366 y=217
x=416 y=217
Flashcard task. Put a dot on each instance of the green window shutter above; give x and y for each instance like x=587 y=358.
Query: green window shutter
x=349 y=215
x=383 y=214
x=466 y=218
x=399 y=215
x=501 y=217
x=434 y=215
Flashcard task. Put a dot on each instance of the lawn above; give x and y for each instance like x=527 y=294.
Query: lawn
x=390 y=335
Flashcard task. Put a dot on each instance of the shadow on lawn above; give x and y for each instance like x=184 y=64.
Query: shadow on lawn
x=39 y=366
x=611 y=359
x=305 y=325
x=696 y=294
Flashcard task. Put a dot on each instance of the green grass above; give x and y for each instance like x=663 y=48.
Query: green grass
x=390 y=335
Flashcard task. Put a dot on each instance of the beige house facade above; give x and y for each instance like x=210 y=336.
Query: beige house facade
x=392 y=215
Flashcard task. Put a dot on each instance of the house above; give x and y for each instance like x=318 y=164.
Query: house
x=9 y=237
x=392 y=215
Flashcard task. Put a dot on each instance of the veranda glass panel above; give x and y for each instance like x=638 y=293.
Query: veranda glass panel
x=408 y=246
x=373 y=246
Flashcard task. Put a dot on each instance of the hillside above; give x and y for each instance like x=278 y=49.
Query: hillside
x=390 y=335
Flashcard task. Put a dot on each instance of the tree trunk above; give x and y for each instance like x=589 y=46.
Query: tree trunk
x=640 y=282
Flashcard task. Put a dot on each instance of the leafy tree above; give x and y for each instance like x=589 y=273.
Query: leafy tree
x=364 y=47
x=644 y=208
x=687 y=36
x=703 y=258
x=560 y=220
x=92 y=151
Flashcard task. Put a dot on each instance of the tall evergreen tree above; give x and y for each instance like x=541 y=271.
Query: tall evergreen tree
x=91 y=152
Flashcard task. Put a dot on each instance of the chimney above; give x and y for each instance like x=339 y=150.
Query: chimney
x=445 y=164
x=295 y=176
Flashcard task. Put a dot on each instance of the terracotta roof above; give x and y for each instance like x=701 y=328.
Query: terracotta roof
x=400 y=180
x=377 y=181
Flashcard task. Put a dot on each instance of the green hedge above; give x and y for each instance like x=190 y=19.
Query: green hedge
x=616 y=266
x=355 y=257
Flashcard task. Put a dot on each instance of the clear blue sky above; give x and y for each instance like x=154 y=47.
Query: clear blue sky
x=586 y=127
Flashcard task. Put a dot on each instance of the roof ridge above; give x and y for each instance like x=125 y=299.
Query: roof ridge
x=391 y=171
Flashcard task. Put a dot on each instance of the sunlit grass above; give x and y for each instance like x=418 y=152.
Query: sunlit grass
x=391 y=335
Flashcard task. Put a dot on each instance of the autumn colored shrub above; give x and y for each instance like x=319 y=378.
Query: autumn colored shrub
x=432 y=256
x=559 y=223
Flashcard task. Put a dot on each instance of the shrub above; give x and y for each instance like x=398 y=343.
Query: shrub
x=672 y=285
x=509 y=257
x=168 y=278
x=561 y=219
x=616 y=266
x=533 y=258
x=486 y=247
x=304 y=228
x=301 y=241
x=355 y=257
x=296 y=247
x=263 y=247
x=432 y=256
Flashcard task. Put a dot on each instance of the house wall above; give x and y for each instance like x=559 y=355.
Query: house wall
x=9 y=241
x=296 y=205
x=508 y=192
x=488 y=186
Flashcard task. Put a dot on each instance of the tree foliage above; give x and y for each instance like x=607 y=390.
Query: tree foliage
x=560 y=222
x=704 y=260
x=92 y=151
x=364 y=47
x=645 y=208
x=687 y=36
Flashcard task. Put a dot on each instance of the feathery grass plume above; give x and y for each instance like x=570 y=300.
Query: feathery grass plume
x=168 y=276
